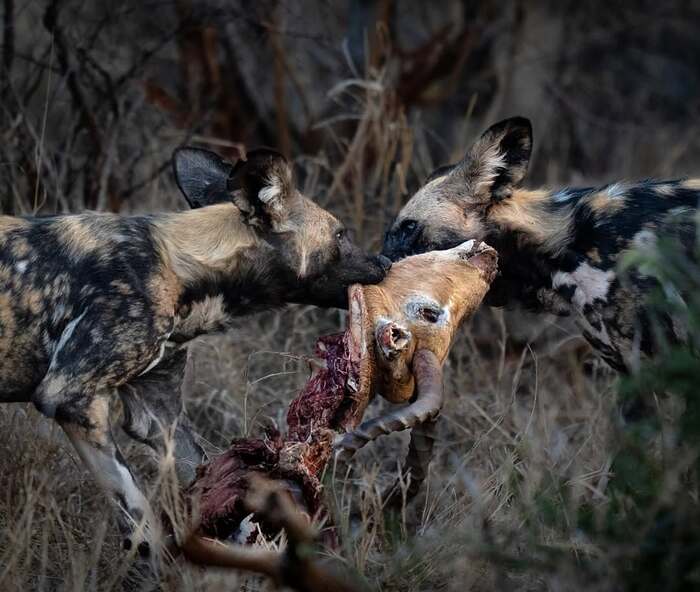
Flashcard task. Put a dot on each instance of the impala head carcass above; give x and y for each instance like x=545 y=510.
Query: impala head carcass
x=406 y=325
x=399 y=334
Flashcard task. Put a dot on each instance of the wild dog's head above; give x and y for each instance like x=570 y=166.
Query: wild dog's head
x=457 y=201
x=312 y=249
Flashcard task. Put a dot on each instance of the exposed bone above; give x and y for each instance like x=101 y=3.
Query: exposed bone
x=427 y=371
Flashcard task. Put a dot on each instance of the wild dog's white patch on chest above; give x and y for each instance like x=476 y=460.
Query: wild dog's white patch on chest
x=589 y=283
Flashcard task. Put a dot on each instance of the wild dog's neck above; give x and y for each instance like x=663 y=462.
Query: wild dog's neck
x=532 y=234
x=198 y=243
x=536 y=219
x=219 y=261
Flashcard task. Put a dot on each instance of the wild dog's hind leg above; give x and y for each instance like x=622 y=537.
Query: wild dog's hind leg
x=95 y=353
x=153 y=412
x=87 y=426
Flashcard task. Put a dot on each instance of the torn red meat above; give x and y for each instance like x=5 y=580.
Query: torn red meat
x=328 y=403
x=315 y=407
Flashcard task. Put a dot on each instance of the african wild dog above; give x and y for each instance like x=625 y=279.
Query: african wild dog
x=94 y=304
x=558 y=250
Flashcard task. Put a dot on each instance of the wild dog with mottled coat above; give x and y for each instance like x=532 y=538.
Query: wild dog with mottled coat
x=558 y=250
x=97 y=304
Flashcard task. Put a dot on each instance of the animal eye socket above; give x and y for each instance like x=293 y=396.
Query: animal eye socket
x=341 y=234
x=432 y=315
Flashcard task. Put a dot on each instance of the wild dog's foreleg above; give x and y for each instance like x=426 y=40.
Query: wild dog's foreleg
x=154 y=413
x=415 y=470
x=425 y=408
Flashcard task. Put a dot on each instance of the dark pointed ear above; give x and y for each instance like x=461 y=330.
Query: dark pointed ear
x=202 y=176
x=498 y=161
x=263 y=184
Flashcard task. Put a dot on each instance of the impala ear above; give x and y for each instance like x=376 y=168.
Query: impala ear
x=498 y=161
x=202 y=176
x=262 y=186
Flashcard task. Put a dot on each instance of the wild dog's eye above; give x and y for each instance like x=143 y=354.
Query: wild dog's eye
x=409 y=226
x=430 y=314
x=341 y=234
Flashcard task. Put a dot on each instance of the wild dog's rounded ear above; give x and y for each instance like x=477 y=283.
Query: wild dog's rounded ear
x=261 y=185
x=202 y=176
x=498 y=161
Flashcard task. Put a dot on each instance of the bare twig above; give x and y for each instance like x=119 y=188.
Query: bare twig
x=296 y=567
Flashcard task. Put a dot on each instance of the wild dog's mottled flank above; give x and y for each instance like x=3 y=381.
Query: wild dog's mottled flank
x=558 y=250
x=527 y=212
x=95 y=304
x=603 y=202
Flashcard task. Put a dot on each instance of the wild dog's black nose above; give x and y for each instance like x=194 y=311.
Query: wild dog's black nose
x=393 y=248
x=384 y=262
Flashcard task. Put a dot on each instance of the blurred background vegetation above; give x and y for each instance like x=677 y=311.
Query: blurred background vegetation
x=536 y=484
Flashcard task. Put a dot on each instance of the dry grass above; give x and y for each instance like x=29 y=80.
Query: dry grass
x=522 y=416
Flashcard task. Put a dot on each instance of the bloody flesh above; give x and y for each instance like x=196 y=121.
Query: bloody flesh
x=330 y=402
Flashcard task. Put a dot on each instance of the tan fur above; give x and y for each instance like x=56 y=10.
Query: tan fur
x=77 y=236
x=201 y=317
x=98 y=416
x=8 y=223
x=20 y=248
x=198 y=242
x=32 y=301
x=165 y=288
x=603 y=203
x=7 y=322
x=524 y=211
x=594 y=255
x=693 y=184
x=314 y=226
